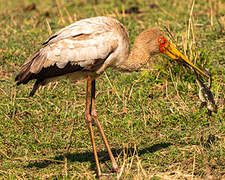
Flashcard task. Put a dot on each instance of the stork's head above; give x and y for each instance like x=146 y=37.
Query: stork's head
x=154 y=42
x=171 y=51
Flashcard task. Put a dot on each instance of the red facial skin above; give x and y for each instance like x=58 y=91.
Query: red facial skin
x=162 y=42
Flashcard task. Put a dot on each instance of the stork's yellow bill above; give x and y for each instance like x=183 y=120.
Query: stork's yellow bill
x=171 y=51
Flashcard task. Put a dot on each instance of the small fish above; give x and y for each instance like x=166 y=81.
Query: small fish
x=205 y=94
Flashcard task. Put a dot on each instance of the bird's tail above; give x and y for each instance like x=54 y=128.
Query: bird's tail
x=25 y=75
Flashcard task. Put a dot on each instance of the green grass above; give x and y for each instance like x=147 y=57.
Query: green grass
x=151 y=118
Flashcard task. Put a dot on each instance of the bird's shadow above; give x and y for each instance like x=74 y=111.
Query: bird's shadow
x=88 y=156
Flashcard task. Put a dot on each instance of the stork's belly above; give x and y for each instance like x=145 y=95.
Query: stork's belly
x=79 y=75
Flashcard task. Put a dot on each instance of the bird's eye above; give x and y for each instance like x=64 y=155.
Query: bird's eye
x=162 y=43
x=162 y=40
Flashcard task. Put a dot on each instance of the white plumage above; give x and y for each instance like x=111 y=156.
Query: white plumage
x=92 y=44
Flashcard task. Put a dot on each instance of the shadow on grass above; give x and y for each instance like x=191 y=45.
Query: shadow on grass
x=88 y=156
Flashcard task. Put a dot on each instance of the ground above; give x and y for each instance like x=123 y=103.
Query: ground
x=151 y=118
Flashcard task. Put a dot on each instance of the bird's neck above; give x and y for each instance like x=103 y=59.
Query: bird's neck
x=136 y=59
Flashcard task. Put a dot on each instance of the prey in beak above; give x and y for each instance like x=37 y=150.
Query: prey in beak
x=205 y=95
x=171 y=51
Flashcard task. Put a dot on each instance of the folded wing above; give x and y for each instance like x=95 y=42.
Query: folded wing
x=83 y=45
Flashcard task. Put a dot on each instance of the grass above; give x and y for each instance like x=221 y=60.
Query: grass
x=151 y=118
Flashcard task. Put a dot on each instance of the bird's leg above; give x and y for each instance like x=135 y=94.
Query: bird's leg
x=94 y=116
x=89 y=123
